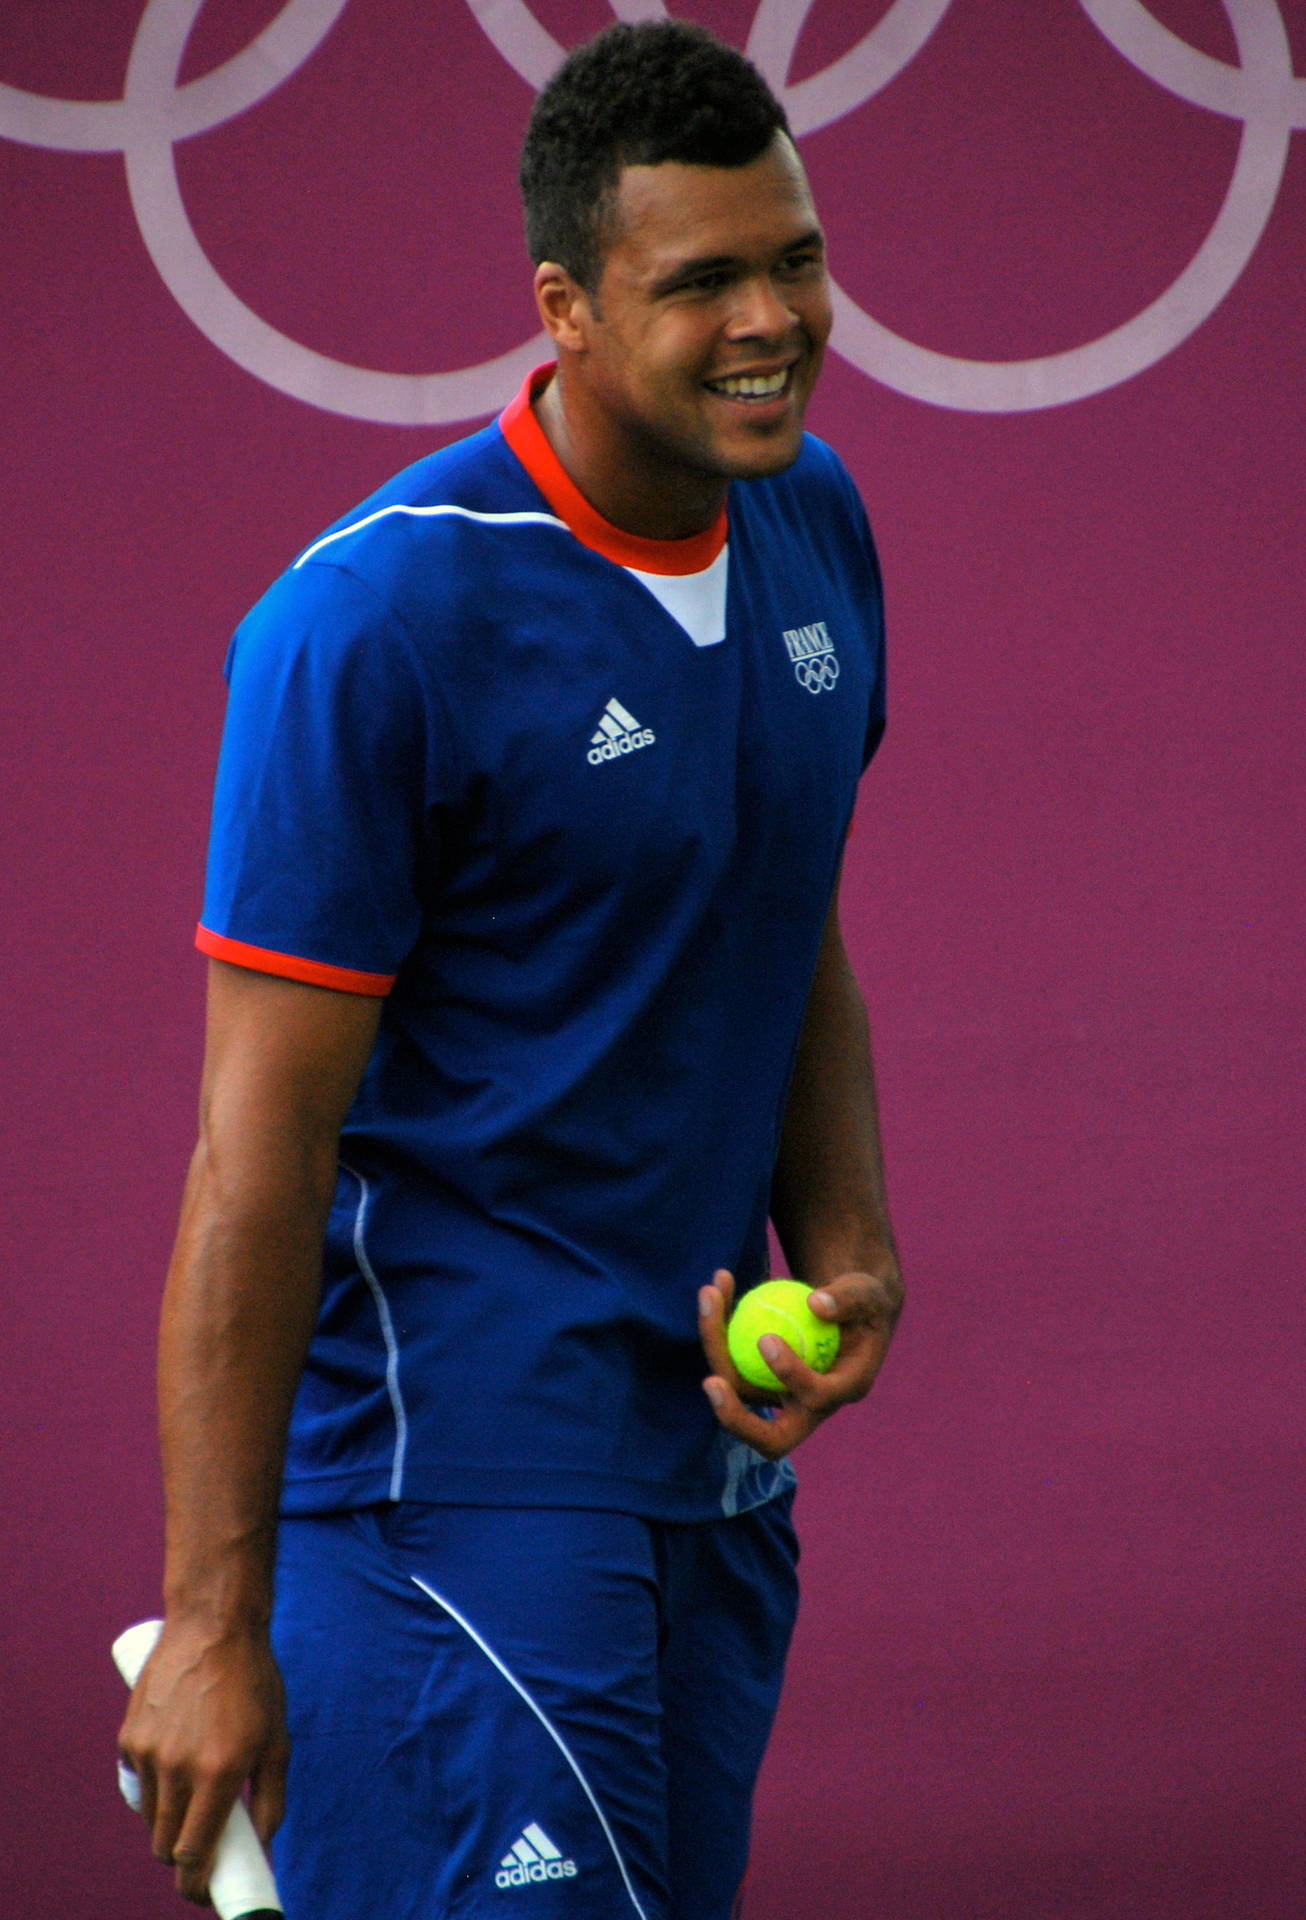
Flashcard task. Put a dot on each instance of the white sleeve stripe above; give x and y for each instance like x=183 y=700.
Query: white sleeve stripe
x=431 y=513
x=545 y=1722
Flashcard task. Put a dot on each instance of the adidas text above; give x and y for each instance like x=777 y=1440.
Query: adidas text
x=628 y=743
x=519 y=1875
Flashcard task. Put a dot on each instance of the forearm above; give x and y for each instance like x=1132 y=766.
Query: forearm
x=238 y=1314
x=828 y=1206
x=282 y=1063
x=828 y=1195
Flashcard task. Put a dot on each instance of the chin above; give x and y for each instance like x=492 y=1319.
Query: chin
x=761 y=462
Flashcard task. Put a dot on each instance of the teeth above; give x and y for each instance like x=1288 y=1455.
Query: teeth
x=757 y=388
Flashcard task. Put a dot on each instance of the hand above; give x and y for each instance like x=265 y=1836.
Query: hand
x=866 y=1308
x=207 y=1714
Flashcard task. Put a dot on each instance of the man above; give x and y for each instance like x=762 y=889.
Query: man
x=528 y=1002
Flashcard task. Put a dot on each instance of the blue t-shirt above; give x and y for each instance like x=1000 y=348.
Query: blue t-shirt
x=574 y=803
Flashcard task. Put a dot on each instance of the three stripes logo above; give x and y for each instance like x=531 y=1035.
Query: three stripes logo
x=618 y=732
x=533 y=1857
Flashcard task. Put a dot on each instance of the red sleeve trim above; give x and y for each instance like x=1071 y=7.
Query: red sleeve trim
x=290 y=966
x=526 y=437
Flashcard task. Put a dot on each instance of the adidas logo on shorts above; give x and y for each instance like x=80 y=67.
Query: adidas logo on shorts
x=533 y=1857
x=618 y=732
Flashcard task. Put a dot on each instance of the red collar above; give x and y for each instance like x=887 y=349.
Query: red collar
x=526 y=437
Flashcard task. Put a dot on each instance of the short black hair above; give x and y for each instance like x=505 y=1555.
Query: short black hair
x=634 y=96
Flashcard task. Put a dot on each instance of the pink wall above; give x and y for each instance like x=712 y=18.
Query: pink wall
x=1051 y=1657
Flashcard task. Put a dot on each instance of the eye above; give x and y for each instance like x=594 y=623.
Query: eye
x=805 y=260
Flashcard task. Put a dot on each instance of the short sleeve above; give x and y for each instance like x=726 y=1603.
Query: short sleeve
x=334 y=767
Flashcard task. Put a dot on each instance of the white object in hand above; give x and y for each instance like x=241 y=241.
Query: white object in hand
x=241 y=1882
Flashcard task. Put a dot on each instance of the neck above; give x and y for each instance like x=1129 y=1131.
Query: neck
x=598 y=462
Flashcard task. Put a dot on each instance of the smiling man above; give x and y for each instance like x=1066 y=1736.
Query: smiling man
x=527 y=1006
x=692 y=361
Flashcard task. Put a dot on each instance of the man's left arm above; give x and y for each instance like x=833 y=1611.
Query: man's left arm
x=829 y=1209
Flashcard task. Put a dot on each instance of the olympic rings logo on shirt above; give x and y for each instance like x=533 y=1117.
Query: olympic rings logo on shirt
x=1262 y=92
x=817 y=675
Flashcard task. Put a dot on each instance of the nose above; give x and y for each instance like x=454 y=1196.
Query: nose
x=760 y=311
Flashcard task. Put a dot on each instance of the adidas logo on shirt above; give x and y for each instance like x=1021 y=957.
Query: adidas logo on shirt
x=533 y=1857
x=618 y=732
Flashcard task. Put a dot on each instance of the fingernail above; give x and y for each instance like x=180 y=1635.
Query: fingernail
x=769 y=1347
x=705 y=1301
x=712 y=1388
x=827 y=1301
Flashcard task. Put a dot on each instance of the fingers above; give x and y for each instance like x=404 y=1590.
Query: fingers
x=205 y=1715
x=193 y=1849
x=865 y=1299
x=185 y=1812
x=733 y=1399
x=171 y=1794
x=267 y=1796
x=191 y=1815
x=714 y=1304
x=714 y=1308
x=788 y=1424
x=865 y=1307
x=146 y=1785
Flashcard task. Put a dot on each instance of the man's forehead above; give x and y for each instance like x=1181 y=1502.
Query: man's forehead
x=675 y=207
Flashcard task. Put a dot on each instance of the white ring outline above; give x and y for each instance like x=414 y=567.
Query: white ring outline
x=817 y=674
x=530 y=49
x=100 y=126
x=1020 y=386
x=1262 y=91
x=847 y=83
x=397 y=399
x=856 y=76
x=1169 y=62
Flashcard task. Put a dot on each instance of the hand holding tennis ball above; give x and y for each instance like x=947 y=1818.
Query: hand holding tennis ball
x=779 y=1307
x=848 y=1334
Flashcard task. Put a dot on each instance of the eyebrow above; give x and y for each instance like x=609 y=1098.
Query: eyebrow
x=714 y=262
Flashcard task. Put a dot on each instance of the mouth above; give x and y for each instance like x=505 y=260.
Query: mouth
x=754 y=389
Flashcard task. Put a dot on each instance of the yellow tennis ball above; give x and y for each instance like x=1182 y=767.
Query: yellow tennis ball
x=779 y=1307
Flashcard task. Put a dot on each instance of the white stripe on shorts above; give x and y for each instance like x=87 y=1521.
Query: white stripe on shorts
x=545 y=1722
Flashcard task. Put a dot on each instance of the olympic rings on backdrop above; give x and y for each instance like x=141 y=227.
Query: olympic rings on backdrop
x=99 y=126
x=155 y=112
x=1163 y=57
x=1267 y=107
x=818 y=674
x=398 y=399
x=847 y=83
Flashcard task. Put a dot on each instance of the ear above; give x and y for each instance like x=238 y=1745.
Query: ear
x=564 y=307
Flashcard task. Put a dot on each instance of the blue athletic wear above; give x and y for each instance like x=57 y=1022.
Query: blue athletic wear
x=549 y=1713
x=574 y=802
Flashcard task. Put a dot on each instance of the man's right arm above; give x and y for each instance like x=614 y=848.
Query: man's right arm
x=282 y=1064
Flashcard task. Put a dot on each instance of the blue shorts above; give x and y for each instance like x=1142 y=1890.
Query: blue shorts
x=526 y=1712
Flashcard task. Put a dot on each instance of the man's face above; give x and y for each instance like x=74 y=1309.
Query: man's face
x=710 y=318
